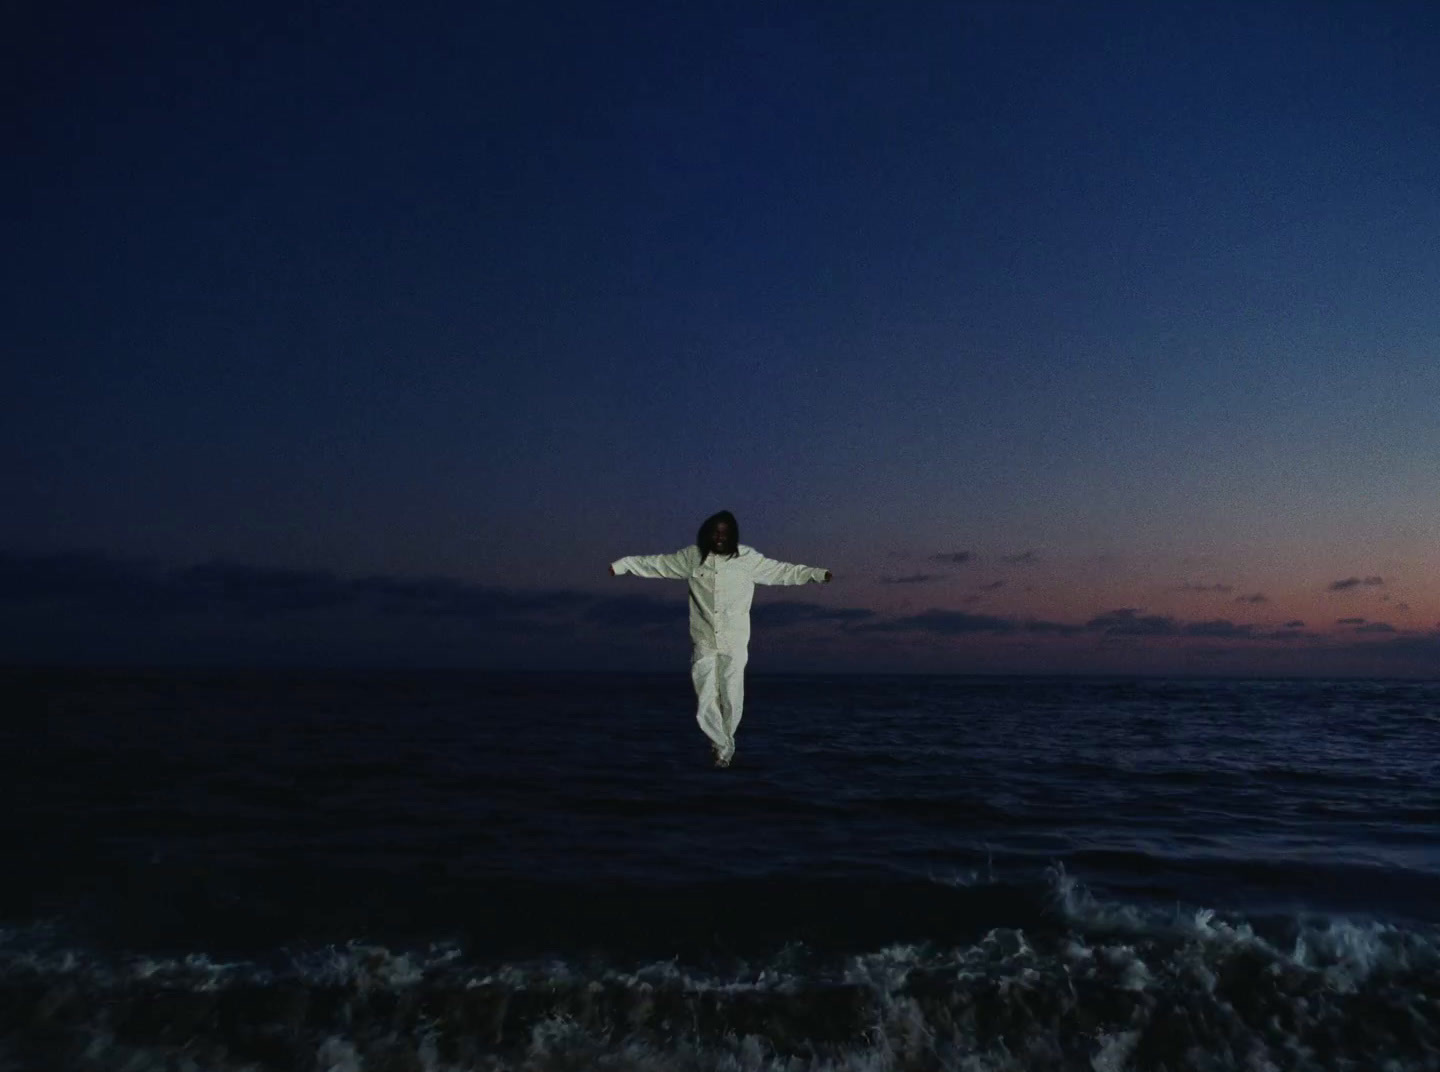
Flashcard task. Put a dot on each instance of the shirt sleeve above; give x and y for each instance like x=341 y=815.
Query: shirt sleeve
x=769 y=571
x=674 y=567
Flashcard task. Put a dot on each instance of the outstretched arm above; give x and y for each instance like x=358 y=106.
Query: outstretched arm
x=769 y=571
x=676 y=567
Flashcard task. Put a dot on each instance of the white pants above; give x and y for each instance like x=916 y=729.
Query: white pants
x=719 y=679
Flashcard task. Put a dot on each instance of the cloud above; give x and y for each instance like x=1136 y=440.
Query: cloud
x=1222 y=589
x=1355 y=582
x=254 y=590
x=955 y=558
x=129 y=597
x=909 y=578
x=1053 y=628
x=992 y=586
x=944 y=623
x=82 y=577
x=1423 y=648
x=1024 y=558
x=1128 y=621
x=447 y=597
x=243 y=592
x=635 y=612
x=1401 y=653
x=1220 y=627
x=104 y=583
x=778 y=615
x=1253 y=599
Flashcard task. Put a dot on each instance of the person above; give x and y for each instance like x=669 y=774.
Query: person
x=722 y=573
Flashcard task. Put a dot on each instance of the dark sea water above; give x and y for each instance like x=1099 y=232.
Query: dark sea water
x=463 y=871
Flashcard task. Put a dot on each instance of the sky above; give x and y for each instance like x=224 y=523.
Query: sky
x=1072 y=337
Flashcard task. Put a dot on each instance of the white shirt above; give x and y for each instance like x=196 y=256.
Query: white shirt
x=721 y=588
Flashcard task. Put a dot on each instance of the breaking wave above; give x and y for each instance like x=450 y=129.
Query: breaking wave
x=1084 y=983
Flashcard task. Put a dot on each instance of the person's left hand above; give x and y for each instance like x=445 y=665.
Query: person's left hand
x=827 y=577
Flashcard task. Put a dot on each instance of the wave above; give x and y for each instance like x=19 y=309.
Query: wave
x=1093 y=984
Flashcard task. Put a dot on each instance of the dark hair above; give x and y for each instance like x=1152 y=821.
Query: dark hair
x=707 y=532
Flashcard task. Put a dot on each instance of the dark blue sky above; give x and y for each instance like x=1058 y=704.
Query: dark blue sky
x=1127 y=310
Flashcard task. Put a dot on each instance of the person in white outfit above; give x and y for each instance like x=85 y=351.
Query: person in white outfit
x=722 y=573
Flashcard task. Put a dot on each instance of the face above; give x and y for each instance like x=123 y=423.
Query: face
x=722 y=540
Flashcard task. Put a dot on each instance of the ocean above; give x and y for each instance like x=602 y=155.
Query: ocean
x=449 y=870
